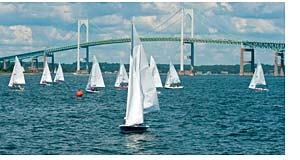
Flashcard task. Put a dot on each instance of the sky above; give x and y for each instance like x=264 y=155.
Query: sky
x=26 y=27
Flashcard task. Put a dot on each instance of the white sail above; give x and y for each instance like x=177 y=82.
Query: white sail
x=95 y=78
x=121 y=76
x=17 y=76
x=172 y=76
x=155 y=73
x=59 y=74
x=142 y=95
x=46 y=76
x=258 y=77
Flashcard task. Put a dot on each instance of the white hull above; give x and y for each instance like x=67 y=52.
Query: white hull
x=45 y=84
x=91 y=91
x=58 y=81
x=17 y=88
x=260 y=89
x=178 y=87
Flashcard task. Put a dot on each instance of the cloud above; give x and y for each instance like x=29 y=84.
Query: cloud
x=212 y=30
x=61 y=35
x=7 y=8
x=226 y=6
x=16 y=35
x=160 y=7
x=109 y=20
x=244 y=25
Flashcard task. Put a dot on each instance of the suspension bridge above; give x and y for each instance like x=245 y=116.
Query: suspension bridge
x=278 y=48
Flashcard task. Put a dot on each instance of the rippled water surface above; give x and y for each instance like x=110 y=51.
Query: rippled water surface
x=211 y=115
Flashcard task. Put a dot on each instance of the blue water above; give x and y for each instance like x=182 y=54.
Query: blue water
x=211 y=115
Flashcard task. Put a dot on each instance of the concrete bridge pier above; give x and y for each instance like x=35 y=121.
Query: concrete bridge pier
x=4 y=65
x=276 y=64
x=52 y=62
x=34 y=65
x=242 y=61
x=279 y=69
x=192 y=58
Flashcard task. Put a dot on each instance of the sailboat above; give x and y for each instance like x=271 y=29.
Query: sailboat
x=46 y=76
x=59 y=77
x=155 y=73
x=95 y=81
x=258 y=79
x=172 y=81
x=17 y=79
x=122 y=78
x=141 y=94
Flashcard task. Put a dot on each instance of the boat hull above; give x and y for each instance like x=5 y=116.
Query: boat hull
x=17 y=88
x=260 y=89
x=121 y=87
x=58 y=81
x=45 y=84
x=179 y=87
x=90 y=91
x=134 y=128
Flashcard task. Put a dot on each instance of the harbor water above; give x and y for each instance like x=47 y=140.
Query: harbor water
x=213 y=114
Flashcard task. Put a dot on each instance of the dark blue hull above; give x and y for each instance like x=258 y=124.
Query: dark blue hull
x=134 y=128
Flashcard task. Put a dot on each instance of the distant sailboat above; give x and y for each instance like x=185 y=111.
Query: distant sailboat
x=258 y=79
x=17 y=79
x=46 y=76
x=155 y=73
x=54 y=71
x=59 y=77
x=122 y=78
x=95 y=81
x=141 y=95
x=172 y=81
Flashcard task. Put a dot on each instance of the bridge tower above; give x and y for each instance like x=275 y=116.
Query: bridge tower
x=82 y=22
x=190 y=13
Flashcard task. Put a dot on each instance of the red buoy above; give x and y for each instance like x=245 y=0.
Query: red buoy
x=79 y=93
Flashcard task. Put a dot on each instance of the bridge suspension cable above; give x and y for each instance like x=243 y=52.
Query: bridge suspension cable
x=165 y=21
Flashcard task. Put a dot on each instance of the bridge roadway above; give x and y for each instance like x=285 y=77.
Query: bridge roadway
x=276 y=46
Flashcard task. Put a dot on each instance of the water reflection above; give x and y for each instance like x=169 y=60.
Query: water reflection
x=137 y=142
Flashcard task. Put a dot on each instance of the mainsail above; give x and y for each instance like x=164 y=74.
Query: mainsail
x=59 y=74
x=258 y=77
x=155 y=73
x=17 y=76
x=46 y=76
x=172 y=77
x=121 y=76
x=95 y=78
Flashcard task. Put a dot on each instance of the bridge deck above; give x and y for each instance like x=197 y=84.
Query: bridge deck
x=252 y=44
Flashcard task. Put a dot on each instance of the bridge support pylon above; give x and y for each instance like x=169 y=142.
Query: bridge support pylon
x=52 y=62
x=34 y=65
x=4 y=65
x=87 y=59
x=279 y=69
x=242 y=61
